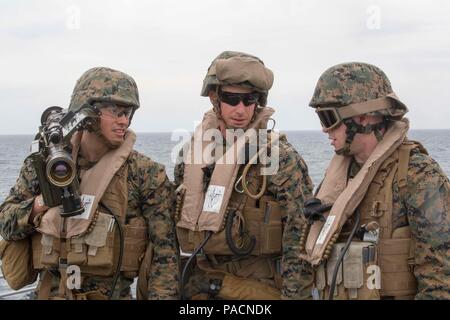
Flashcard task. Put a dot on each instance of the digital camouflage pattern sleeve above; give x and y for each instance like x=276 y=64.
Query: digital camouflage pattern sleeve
x=178 y=171
x=291 y=186
x=152 y=194
x=428 y=210
x=16 y=209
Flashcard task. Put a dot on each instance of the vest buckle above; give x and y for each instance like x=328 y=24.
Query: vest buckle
x=377 y=211
x=62 y=263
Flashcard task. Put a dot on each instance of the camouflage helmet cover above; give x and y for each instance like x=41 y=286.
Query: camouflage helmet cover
x=355 y=83
x=238 y=68
x=104 y=85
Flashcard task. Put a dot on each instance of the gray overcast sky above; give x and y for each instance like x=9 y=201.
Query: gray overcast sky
x=167 y=45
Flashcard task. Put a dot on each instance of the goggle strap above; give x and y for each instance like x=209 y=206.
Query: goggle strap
x=357 y=109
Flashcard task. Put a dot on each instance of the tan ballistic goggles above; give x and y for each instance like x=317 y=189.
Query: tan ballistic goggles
x=332 y=117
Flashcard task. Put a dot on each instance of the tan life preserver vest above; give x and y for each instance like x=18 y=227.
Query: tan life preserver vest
x=262 y=217
x=394 y=253
x=344 y=196
x=91 y=241
x=396 y=247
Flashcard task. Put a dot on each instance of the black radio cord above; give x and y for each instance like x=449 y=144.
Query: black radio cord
x=188 y=263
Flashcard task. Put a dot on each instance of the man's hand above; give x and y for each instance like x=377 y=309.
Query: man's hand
x=38 y=208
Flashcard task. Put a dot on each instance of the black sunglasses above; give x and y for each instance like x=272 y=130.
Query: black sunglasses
x=233 y=99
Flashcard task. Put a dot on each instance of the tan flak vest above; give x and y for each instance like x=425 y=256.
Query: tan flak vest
x=91 y=240
x=371 y=192
x=199 y=211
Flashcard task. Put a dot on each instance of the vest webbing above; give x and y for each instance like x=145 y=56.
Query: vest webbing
x=396 y=247
x=72 y=251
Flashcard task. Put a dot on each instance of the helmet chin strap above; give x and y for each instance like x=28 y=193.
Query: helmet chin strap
x=95 y=128
x=353 y=128
x=350 y=135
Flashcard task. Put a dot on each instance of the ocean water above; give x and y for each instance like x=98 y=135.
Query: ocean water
x=313 y=146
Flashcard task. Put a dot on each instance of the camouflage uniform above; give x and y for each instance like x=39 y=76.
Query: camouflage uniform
x=150 y=195
x=425 y=208
x=425 y=205
x=290 y=186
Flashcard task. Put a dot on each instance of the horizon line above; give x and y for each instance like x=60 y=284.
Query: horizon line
x=280 y=130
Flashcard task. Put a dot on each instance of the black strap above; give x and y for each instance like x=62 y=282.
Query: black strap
x=353 y=128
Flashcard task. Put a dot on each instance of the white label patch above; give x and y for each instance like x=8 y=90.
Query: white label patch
x=87 y=202
x=325 y=229
x=213 y=198
x=35 y=146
